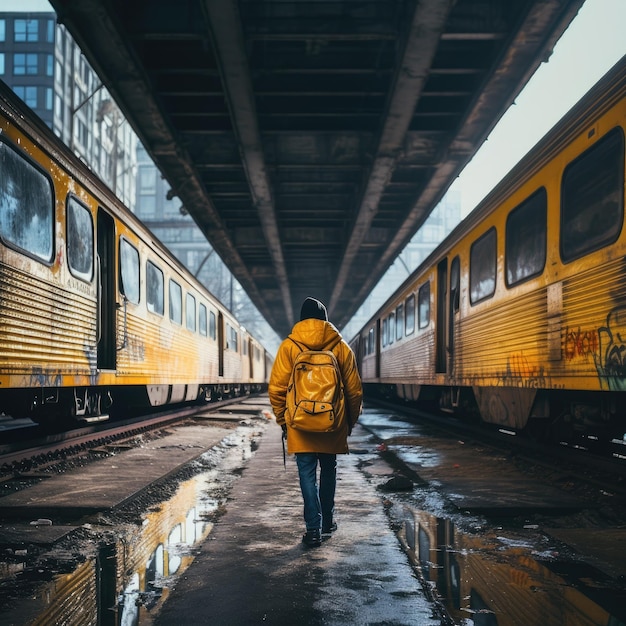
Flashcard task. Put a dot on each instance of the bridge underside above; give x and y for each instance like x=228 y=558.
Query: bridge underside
x=310 y=139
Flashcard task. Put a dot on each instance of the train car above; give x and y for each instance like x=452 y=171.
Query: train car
x=95 y=314
x=519 y=314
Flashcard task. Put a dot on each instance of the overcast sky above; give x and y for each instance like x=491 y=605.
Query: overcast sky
x=592 y=44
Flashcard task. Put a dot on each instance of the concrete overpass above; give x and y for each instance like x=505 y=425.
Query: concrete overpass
x=310 y=139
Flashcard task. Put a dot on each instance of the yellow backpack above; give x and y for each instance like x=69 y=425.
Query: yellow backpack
x=315 y=396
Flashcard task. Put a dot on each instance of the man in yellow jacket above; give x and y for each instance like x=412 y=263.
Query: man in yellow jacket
x=315 y=332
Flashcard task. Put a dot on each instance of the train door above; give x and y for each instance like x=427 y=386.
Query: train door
x=106 y=291
x=453 y=308
x=220 y=343
x=441 y=325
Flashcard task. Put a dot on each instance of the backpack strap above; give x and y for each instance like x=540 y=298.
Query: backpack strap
x=297 y=344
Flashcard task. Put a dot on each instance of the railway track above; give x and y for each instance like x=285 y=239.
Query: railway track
x=605 y=470
x=32 y=451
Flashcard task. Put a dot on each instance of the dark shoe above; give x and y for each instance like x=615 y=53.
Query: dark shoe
x=327 y=531
x=312 y=538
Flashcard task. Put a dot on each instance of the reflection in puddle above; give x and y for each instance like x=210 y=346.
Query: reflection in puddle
x=483 y=583
x=127 y=572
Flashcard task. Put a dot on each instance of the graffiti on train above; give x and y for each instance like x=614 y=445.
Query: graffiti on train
x=521 y=372
x=580 y=343
x=609 y=359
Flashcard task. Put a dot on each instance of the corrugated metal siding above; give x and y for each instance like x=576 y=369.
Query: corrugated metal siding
x=504 y=344
x=45 y=327
x=411 y=357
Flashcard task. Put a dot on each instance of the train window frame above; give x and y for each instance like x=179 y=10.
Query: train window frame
x=129 y=283
x=43 y=254
x=154 y=271
x=190 y=308
x=79 y=240
x=586 y=173
x=175 y=292
x=409 y=326
x=526 y=230
x=483 y=266
x=212 y=325
x=202 y=319
x=400 y=321
x=371 y=339
x=391 y=328
x=384 y=333
x=423 y=306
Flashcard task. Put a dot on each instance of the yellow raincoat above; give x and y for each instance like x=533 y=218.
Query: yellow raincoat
x=316 y=334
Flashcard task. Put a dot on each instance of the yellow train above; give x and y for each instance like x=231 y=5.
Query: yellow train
x=520 y=314
x=95 y=314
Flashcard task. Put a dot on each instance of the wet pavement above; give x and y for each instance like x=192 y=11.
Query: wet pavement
x=432 y=530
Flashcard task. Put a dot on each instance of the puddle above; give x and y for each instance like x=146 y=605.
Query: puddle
x=484 y=570
x=499 y=580
x=114 y=572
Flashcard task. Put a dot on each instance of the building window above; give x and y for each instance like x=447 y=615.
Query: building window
x=28 y=94
x=50 y=31
x=25 y=64
x=3 y=30
x=49 y=65
x=26 y=30
x=1 y=63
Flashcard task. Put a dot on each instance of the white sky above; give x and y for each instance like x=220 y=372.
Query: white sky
x=594 y=42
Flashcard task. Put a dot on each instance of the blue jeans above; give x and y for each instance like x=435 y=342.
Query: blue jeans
x=319 y=504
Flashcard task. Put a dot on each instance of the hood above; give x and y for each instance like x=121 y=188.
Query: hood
x=315 y=334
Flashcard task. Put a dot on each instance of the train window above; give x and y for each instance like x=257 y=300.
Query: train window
x=384 y=334
x=202 y=320
x=423 y=305
x=212 y=325
x=190 y=312
x=592 y=198
x=526 y=238
x=176 y=302
x=391 y=328
x=155 y=289
x=455 y=285
x=26 y=205
x=129 y=271
x=232 y=338
x=409 y=315
x=79 y=240
x=483 y=267
x=370 y=341
x=399 y=321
